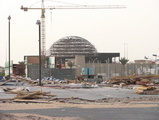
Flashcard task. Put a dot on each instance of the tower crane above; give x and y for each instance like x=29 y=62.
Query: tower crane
x=43 y=8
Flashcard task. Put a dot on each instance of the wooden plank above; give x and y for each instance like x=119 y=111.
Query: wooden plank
x=6 y=82
x=33 y=95
x=30 y=101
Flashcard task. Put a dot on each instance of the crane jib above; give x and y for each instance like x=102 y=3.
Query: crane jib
x=42 y=8
x=79 y=7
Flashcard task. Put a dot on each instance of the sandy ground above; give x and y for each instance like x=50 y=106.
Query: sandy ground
x=141 y=102
x=22 y=106
x=23 y=116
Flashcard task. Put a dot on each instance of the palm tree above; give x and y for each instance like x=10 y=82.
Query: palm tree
x=21 y=62
x=123 y=61
x=70 y=64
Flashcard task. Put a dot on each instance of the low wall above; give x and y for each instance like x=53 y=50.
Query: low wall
x=33 y=72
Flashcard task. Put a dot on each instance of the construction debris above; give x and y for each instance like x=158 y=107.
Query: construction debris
x=33 y=95
x=147 y=90
x=23 y=93
x=5 y=82
x=133 y=79
x=27 y=80
x=77 y=100
x=147 y=81
x=17 y=79
x=118 y=80
x=14 y=90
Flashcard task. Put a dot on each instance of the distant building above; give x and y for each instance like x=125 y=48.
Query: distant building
x=19 y=69
x=31 y=59
x=68 y=48
x=1 y=69
x=144 y=61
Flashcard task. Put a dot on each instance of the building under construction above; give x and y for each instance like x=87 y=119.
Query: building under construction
x=72 y=47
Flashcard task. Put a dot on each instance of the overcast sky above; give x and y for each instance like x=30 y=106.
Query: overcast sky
x=133 y=32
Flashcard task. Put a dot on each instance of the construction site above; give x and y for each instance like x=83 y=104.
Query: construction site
x=72 y=75
x=76 y=75
x=133 y=91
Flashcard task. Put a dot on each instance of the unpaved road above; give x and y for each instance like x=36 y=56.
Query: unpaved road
x=123 y=105
x=112 y=112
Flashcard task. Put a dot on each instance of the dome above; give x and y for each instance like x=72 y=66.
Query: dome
x=72 y=45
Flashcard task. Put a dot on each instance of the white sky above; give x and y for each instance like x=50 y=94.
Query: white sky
x=133 y=32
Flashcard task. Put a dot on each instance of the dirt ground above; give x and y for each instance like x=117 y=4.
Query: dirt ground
x=22 y=106
x=125 y=102
x=16 y=116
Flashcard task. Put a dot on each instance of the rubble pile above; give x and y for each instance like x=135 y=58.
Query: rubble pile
x=147 y=84
x=33 y=95
x=23 y=93
x=147 y=90
x=144 y=84
x=119 y=100
x=133 y=79
x=14 y=90
x=18 y=79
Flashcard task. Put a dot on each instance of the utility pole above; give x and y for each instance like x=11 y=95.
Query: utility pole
x=39 y=24
x=9 y=18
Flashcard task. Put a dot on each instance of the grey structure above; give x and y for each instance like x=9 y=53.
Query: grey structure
x=82 y=52
x=105 y=69
x=47 y=72
x=72 y=45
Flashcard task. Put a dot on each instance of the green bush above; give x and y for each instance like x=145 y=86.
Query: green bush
x=2 y=74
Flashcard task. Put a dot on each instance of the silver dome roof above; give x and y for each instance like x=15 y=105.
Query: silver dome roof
x=72 y=45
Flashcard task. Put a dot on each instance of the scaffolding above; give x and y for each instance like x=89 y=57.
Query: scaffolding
x=72 y=45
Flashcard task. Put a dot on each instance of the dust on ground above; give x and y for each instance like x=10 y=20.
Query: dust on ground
x=22 y=116
x=23 y=106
